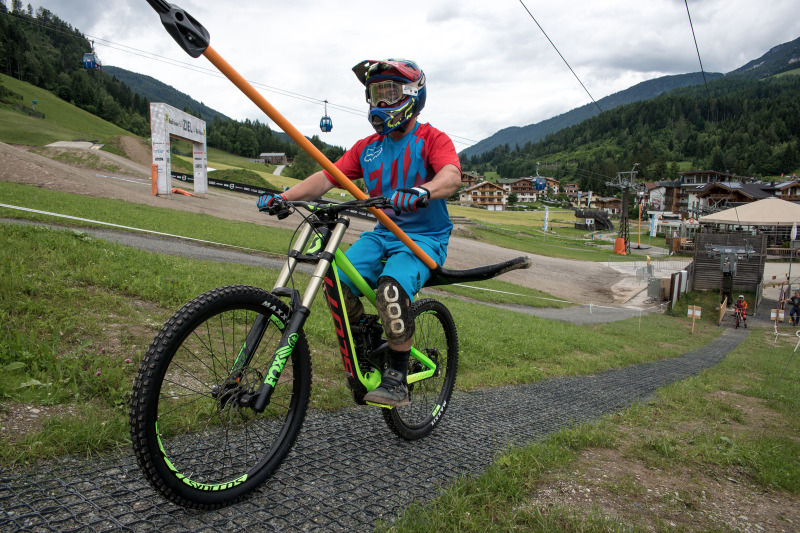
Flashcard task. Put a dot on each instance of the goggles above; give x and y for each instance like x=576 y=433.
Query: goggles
x=388 y=92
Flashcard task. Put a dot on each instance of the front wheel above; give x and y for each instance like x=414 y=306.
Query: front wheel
x=196 y=439
x=434 y=335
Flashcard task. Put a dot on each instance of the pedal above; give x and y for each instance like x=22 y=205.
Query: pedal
x=380 y=405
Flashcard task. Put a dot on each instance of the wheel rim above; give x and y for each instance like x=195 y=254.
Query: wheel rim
x=208 y=440
x=431 y=337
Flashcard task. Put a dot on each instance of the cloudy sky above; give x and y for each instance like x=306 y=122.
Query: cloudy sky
x=487 y=63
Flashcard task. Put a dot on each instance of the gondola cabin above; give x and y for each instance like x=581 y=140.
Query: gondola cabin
x=325 y=124
x=90 y=60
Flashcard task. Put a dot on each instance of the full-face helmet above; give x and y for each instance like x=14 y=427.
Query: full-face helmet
x=395 y=90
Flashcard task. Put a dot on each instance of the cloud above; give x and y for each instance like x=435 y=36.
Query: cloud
x=488 y=64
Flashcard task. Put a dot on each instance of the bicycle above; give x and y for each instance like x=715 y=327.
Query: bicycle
x=739 y=316
x=223 y=389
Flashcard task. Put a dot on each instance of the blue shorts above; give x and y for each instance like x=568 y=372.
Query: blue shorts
x=372 y=247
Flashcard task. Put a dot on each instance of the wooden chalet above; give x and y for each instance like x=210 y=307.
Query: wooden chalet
x=468 y=179
x=485 y=194
x=524 y=188
x=612 y=205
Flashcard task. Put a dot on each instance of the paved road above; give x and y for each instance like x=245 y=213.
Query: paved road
x=334 y=478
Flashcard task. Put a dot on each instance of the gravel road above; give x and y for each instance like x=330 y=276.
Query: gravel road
x=576 y=281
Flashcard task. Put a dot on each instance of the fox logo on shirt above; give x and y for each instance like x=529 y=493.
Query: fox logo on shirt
x=372 y=153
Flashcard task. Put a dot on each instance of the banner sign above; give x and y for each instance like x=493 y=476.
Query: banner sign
x=546 y=216
x=165 y=122
x=653 y=226
x=222 y=184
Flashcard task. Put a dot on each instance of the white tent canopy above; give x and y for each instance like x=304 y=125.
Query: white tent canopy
x=766 y=212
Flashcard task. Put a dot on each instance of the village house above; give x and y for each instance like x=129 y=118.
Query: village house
x=468 y=179
x=684 y=197
x=273 y=158
x=611 y=204
x=524 y=188
x=571 y=190
x=485 y=194
x=552 y=185
x=788 y=190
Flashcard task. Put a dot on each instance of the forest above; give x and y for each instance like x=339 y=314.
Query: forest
x=736 y=125
x=43 y=50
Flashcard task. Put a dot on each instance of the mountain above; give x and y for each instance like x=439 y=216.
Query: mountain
x=779 y=59
x=156 y=91
x=516 y=135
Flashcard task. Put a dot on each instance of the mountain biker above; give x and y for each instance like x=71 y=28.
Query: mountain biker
x=741 y=309
x=405 y=161
x=794 y=312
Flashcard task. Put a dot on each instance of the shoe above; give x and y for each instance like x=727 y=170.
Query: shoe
x=392 y=390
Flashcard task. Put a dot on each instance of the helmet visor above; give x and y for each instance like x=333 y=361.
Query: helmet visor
x=388 y=92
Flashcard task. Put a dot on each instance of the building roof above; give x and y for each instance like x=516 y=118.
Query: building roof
x=755 y=191
x=767 y=212
x=484 y=184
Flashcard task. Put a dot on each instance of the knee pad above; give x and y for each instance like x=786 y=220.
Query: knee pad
x=392 y=303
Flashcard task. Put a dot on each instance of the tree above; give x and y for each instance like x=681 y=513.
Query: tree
x=512 y=198
x=247 y=142
x=302 y=167
x=717 y=161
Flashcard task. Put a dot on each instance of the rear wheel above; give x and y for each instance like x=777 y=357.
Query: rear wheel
x=195 y=437
x=435 y=336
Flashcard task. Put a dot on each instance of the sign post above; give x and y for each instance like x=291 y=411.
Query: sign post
x=791 y=254
x=694 y=312
x=166 y=121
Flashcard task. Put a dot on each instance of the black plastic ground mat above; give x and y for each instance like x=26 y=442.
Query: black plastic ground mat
x=347 y=470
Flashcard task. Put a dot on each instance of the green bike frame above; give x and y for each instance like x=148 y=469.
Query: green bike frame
x=323 y=250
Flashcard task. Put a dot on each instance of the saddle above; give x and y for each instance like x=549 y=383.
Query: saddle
x=446 y=276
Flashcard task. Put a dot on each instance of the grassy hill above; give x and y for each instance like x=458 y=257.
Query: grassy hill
x=62 y=122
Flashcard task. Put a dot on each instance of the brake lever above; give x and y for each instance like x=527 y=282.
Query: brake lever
x=279 y=209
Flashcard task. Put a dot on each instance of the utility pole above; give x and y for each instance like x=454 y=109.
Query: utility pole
x=625 y=181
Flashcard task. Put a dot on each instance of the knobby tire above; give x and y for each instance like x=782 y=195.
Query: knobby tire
x=195 y=444
x=435 y=335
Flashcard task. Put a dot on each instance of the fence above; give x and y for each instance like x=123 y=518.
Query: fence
x=658 y=265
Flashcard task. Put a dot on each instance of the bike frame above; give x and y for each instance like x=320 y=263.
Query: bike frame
x=320 y=241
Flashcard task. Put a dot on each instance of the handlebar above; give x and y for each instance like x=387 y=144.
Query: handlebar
x=283 y=208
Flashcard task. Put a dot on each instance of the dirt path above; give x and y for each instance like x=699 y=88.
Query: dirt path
x=577 y=281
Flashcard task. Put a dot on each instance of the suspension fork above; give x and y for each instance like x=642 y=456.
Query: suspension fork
x=261 y=322
x=300 y=312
